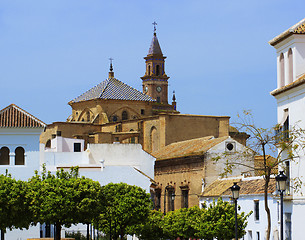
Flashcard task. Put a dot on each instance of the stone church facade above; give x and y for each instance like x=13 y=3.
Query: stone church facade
x=113 y=112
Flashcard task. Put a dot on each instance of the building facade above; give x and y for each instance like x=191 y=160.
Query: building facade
x=290 y=95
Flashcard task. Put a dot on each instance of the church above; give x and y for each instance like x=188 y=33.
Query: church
x=114 y=112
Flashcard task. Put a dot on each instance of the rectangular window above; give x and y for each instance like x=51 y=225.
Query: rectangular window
x=185 y=198
x=257 y=236
x=171 y=200
x=256 y=210
x=142 y=111
x=250 y=235
x=287 y=226
x=77 y=147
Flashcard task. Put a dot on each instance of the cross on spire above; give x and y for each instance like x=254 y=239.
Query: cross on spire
x=111 y=68
x=154 y=23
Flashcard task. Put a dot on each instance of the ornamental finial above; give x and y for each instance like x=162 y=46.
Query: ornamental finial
x=154 y=23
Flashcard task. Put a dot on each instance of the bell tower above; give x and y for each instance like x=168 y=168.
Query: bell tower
x=155 y=81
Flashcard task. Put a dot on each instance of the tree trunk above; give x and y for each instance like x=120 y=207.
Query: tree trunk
x=2 y=234
x=87 y=231
x=267 y=208
x=267 y=172
x=58 y=231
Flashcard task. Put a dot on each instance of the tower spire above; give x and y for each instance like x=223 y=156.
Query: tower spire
x=111 y=73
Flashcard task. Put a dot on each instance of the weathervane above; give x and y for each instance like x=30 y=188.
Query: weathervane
x=111 y=68
x=154 y=23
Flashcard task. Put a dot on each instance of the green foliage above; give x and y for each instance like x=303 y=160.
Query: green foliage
x=14 y=207
x=76 y=235
x=125 y=206
x=181 y=223
x=218 y=221
x=64 y=198
x=152 y=227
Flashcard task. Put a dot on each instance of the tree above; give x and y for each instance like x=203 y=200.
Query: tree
x=263 y=142
x=14 y=207
x=64 y=198
x=152 y=227
x=218 y=221
x=125 y=206
x=181 y=222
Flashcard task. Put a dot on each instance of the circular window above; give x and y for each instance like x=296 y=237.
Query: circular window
x=114 y=118
x=230 y=146
x=159 y=89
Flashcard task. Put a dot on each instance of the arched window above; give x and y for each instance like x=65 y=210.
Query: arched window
x=19 y=156
x=48 y=144
x=282 y=71
x=148 y=70
x=290 y=65
x=124 y=115
x=4 y=156
x=157 y=70
x=154 y=139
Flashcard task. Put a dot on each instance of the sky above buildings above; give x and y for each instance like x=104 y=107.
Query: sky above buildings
x=218 y=57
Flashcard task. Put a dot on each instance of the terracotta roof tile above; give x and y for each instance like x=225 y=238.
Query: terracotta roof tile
x=298 y=82
x=15 y=117
x=251 y=186
x=298 y=28
x=191 y=147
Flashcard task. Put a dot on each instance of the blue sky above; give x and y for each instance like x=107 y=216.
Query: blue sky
x=218 y=57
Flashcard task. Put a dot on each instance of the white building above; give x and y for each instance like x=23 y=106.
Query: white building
x=251 y=199
x=105 y=163
x=290 y=97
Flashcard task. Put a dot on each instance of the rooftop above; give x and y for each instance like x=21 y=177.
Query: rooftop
x=298 y=28
x=193 y=147
x=113 y=88
x=249 y=186
x=15 y=117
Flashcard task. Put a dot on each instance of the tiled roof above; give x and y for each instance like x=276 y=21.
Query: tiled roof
x=191 y=147
x=14 y=117
x=154 y=48
x=298 y=82
x=247 y=186
x=259 y=165
x=298 y=28
x=112 y=88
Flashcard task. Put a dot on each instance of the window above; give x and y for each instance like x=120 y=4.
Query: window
x=158 y=199
x=148 y=69
x=282 y=71
x=48 y=144
x=124 y=115
x=157 y=70
x=19 y=156
x=142 y=111
x=158 y=100
x=257 y=236
x=290 y=65
x=4 y=156
x=77 y=147
x=250 y=235
x=171 y=199
x=114 y=118
x=287 y=226
x=185 y=198
x=256 y=210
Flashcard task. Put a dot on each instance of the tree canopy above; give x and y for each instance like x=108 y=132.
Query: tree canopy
x=14 y=206
x=64 y=198
x=125 y=206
